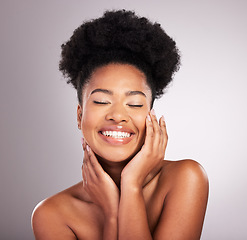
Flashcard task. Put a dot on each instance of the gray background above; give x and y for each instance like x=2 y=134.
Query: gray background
x=205 y=107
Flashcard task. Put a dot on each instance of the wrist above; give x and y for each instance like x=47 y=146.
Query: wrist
x=110 y=214
x=132 y=184
x=110 y=218
x=132 y=177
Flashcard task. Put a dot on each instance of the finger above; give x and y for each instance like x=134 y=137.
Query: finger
x=84 y=178
x=83 y=142
x=92 y=176
x=87 y=173
x=154 y=120
x=164 y=132
x=94 y=162
x=157 y=130
x=83 y=170
x=149 y=132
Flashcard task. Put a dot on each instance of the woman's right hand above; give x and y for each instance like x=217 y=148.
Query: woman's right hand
x=98 y=184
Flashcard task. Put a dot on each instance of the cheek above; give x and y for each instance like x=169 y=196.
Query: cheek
x=140 y=122
x=88 y=123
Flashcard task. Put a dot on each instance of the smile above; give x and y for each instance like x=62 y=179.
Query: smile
x=116 y=134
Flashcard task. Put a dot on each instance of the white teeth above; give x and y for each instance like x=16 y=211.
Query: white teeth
x=116 y=134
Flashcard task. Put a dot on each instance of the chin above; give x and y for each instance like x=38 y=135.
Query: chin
x=116 y=156
x=114 y=153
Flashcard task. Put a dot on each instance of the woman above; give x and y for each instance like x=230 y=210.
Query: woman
x=119 y=64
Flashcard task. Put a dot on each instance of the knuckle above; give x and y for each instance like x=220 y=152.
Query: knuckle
x=166 y=136
x=151 y=134
x=93 y=164
x=162 y=123
x=154 y=118
x=160 y=132
x=85 y=165
x=161 y=155
x=149 y=124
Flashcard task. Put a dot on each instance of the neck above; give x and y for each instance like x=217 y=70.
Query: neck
x=113 y=169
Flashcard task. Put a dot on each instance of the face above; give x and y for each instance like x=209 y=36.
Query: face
x=115 y=103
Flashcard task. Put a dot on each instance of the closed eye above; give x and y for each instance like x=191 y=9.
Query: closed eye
x=135 y=105
x=97 y=102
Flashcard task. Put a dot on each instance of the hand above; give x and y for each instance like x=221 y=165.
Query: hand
x=98 y=184
x=151 y=153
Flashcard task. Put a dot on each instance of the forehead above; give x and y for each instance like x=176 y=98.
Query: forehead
x=118 y=78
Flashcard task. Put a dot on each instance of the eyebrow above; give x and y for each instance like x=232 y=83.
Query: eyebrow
x=102 y=90
x=129 y=93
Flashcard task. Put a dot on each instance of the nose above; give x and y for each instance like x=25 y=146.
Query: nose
x=117 y=113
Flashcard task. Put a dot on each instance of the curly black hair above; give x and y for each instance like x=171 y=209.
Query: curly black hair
x=120 y=37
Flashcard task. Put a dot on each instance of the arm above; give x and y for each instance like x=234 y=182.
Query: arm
x=103 y=191
x=184 y=206
x=185 y=203
x=110 y=228
x=133 y=221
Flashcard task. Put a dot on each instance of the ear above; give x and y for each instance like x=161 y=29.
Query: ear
x=79 y=115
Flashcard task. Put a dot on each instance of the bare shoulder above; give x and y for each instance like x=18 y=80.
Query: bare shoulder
x=185 y=197
x=184 y=172
x=50 y=218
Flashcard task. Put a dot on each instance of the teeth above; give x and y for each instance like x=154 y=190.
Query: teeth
x=116 y=134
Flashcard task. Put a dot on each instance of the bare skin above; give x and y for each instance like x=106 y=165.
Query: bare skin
x=128 y=191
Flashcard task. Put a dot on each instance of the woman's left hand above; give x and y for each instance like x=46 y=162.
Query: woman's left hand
x=151 y=153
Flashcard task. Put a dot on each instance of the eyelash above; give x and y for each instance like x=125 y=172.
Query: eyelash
x=137 y=106
x=102 y=103
x=130 y=105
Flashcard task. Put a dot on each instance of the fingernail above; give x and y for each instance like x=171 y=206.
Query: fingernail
x=148 y=117
x=162 y=118
x=152 y=112
x=88 y=148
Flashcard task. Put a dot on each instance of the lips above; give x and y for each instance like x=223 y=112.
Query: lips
x=116 y=134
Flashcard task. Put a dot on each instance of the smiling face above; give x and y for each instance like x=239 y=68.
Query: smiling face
x=115 y=103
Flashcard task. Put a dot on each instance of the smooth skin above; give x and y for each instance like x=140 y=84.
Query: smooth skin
x=128 y=191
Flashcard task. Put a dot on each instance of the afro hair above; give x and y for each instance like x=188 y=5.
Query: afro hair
x=120 y=37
